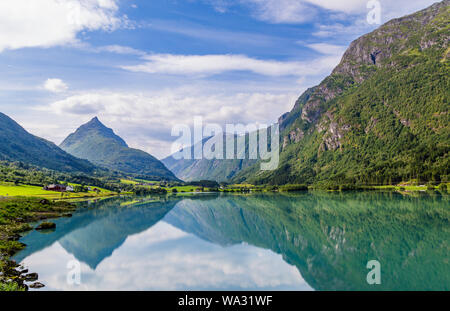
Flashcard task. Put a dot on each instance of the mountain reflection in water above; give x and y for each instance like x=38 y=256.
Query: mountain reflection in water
x=319 y=241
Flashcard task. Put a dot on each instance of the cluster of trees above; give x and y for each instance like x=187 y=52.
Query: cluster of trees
x=148 y=190
x=204 y=184
x=26 y=174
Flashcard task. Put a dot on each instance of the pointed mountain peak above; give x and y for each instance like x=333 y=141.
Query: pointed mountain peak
x=94 y=129
x=95 y=122
x=99 y=144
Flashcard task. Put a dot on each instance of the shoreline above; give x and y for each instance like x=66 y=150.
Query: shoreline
x=16 y=217
x=28 y=211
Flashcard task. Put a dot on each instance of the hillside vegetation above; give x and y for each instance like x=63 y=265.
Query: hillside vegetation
x=381 y=117
x=16 y=144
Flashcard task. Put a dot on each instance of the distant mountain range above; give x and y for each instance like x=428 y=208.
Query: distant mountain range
x=95 y=142
x=93 y=148
x=382 y=115
x=16 y=144
x=195 y=169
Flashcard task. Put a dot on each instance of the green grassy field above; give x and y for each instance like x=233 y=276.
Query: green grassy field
x=408 y=187
x=182 y=188
x=145 y=181
x=128 y=182
x=11 y=190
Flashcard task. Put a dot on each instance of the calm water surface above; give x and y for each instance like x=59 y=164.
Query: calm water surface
x=311 y=241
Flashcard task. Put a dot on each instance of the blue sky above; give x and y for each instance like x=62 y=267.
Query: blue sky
x=144 y=66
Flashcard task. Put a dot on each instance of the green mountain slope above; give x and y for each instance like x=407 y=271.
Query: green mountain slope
x=203 y=169
x=97 y=143
x=380 y=117
x=16 y=144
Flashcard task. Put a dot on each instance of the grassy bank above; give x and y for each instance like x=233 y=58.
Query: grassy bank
x=443 y=187
x=16 y=214
x=13 y=190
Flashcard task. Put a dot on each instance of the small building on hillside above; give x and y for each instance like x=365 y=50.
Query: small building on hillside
x=69 y=189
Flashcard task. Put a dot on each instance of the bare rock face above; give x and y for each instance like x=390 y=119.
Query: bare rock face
x=377 y=47
x=311 y=111
x=294 y=136
x=334 y=133
x=325 y=92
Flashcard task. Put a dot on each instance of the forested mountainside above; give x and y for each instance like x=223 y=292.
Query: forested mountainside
x=380 y=117
x=17 y=145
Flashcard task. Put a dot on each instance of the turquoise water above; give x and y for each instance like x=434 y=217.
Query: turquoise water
x=310 y=241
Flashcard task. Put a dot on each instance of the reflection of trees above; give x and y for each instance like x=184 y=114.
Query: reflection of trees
x=331 y=237
x=328 y=237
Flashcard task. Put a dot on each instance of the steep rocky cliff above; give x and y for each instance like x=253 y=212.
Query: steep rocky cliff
x=382 y=114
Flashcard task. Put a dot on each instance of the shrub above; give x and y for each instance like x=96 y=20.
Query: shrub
x=10 y=287
x=292 y=188
x=443 y=187
x=46 y=225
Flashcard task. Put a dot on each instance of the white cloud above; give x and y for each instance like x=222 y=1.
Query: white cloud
x=145 y=121
x=347 y=6
x=281 y=11
x=199 y=31
x=327 y=49
x=301 y=11
x=161 y=110
x=184 y=262
x=46 y=23
x=356 y=28
x=220 y=6
x=216 y=64
x=55 y=85
x=120 y=49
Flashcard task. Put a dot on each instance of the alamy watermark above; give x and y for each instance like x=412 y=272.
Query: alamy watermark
x=374 y=276
x=374 y=15
x=234 y=142
x=74 y=273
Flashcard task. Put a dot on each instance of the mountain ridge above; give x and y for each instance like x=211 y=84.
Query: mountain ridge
x=382 y=114
x=16 y=144
x=100 y=145
x=195 y=169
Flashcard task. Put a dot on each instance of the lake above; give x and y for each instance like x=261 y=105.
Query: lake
x=304 y=241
